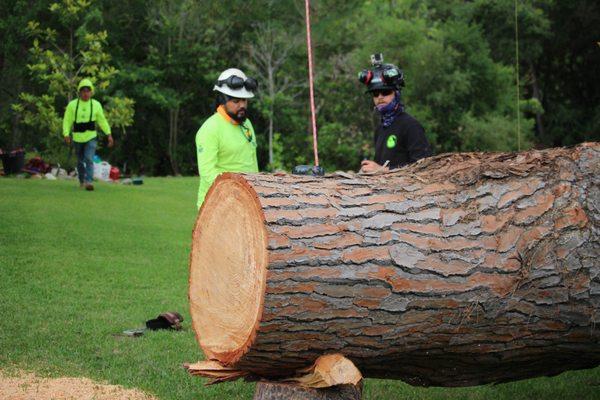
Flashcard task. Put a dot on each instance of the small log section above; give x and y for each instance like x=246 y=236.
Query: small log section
x=286 y=391
x=461 y=269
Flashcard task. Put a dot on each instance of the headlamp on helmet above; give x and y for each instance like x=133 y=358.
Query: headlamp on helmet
x=381 y=76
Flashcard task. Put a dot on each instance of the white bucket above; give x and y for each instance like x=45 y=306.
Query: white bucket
x=102 y=171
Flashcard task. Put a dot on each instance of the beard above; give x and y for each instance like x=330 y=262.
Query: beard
x=240 y=116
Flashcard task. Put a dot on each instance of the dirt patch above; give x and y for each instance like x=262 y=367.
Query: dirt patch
x=27 y=386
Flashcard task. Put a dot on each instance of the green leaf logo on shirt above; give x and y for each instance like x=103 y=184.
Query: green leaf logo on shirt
x=391 y=141
x=200 y=149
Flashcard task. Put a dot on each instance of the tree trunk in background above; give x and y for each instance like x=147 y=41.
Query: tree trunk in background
x=15 y=121
x=462 y=269
x=173 y=128
x=539 y=123
x=271 y=138
x=12 y=85
x=267 y=55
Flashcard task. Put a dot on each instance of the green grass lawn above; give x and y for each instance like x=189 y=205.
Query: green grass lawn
x=78 y=267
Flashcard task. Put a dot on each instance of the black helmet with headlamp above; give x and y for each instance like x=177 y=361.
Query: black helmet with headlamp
x=381 y=76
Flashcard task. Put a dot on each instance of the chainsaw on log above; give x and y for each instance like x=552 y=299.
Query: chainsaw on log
x=311 y=170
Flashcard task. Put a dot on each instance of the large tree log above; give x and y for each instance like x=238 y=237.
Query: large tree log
x=459 y=270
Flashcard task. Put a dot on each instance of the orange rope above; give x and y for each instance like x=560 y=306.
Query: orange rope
x=310 y=82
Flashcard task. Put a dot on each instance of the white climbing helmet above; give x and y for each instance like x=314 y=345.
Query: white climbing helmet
x=233 y=82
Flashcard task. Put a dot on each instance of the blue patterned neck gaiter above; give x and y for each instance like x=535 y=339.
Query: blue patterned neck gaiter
x=390 y=111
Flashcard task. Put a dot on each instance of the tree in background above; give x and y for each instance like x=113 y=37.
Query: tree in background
x=453 y=87
x=558 y=57
x=60 y=58
x=344 y=119
x=532 y=30
x=13 y=64
x=268 y=61
x=179 y=26
x=568 y=74
x=458 y=57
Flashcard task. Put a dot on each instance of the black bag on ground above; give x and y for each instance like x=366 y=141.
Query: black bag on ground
x=168 y=320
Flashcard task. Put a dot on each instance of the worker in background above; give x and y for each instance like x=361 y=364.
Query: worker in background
x=226 y=141
x=399 y=139
x=81 y=116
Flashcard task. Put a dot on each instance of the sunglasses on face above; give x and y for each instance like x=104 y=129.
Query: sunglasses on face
x=377 y=93
x=235 y=82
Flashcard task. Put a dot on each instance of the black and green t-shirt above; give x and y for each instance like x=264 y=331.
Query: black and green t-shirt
x=401 y=143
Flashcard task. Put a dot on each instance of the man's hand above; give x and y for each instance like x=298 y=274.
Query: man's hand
x=371 y=166
x=111 y=142
x=68 y=140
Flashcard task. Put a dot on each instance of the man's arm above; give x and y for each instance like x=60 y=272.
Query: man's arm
x=417 y=144
x=254 y=141
x=207 y=149
x=372 y=166
x=68 y=119
x=103 y=123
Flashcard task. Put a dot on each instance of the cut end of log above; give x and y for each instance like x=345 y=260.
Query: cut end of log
x=228 y=266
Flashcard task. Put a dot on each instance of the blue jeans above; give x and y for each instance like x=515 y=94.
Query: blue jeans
x=85 y=160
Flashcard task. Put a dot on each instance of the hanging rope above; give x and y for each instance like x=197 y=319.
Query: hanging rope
x=518 y=85
x=310 y=83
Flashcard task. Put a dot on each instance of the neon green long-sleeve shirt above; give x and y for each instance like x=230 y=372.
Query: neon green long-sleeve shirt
x=85 y=110
x=223 y=146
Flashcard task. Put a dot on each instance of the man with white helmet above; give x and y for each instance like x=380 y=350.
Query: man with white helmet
x=226 y=141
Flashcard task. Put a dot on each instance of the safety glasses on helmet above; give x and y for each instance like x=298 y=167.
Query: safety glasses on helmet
x=235 y=82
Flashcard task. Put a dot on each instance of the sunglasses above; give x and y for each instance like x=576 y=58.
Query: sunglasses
x=235 y=82
x=377 y=93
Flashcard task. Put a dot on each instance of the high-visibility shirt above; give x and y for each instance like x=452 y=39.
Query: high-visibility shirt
x=87 y=111
x=223 y=145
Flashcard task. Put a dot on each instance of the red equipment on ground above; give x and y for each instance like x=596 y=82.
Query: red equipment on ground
x=115 y=174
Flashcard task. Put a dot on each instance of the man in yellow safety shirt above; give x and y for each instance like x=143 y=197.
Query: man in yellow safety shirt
x=81 y=116
x=226 y=141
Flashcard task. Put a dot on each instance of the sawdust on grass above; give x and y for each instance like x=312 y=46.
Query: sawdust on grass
x=27 y=386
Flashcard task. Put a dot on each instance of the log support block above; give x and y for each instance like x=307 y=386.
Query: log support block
x=285 y=391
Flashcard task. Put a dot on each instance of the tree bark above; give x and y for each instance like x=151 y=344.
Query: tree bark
x=461 y=269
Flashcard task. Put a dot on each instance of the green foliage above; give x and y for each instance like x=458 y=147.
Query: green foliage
x=278 y=154
x=341 y=147
x=494 y=133
x=163 y=58
x=61 y=64
x=58 y=61
x=38 y=111
x=119 y=111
